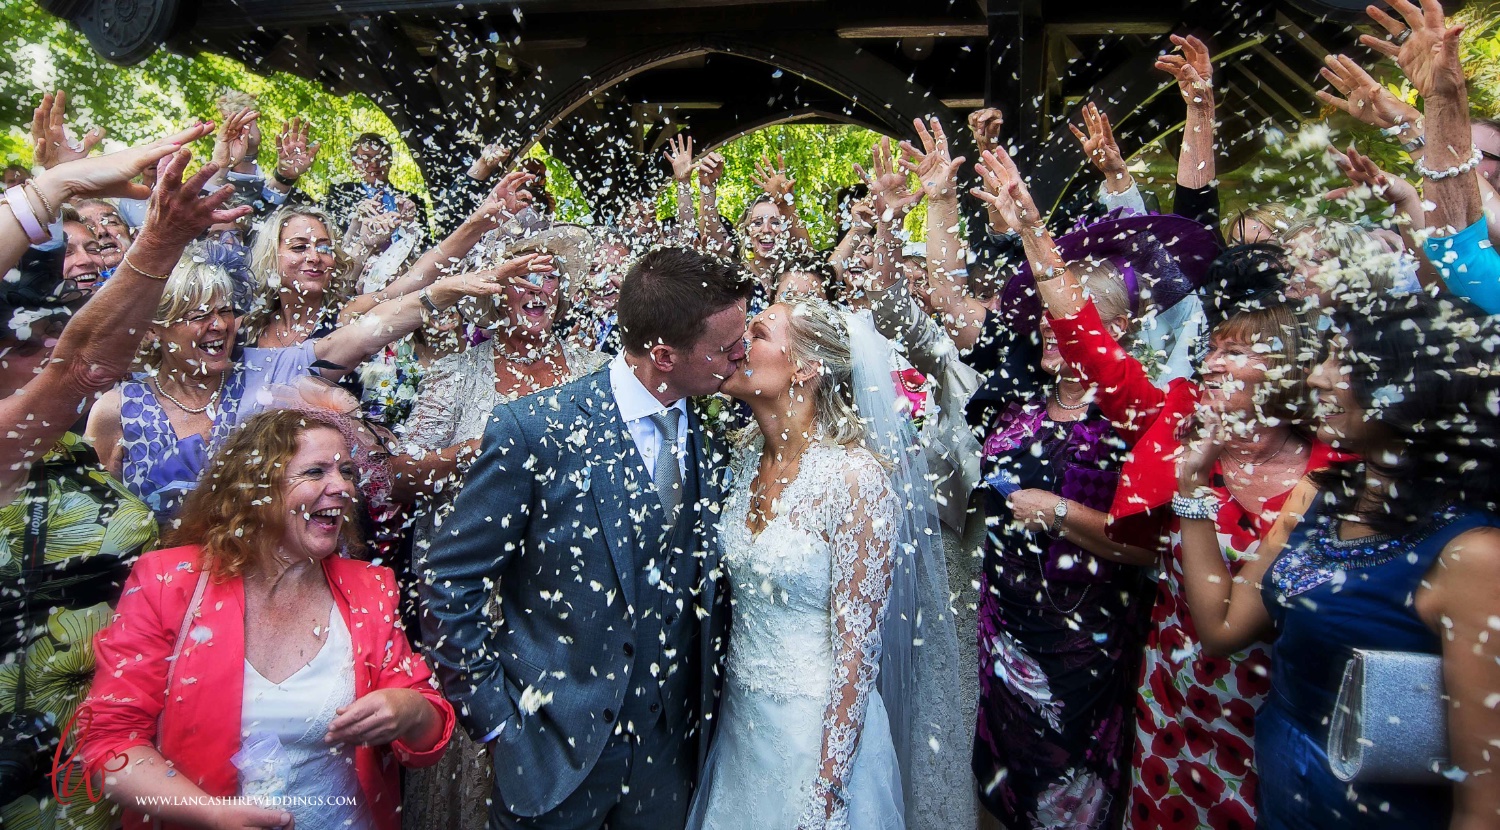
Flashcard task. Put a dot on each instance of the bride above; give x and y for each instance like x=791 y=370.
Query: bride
x=817 y=552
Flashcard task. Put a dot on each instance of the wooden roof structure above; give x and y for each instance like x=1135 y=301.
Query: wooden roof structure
x=604 y=83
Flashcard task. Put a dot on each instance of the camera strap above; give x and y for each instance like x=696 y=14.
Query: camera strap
x=33 y=552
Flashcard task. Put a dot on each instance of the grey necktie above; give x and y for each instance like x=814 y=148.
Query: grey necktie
x=668 y=475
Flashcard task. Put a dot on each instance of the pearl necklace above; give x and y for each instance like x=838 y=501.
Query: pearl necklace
x=1057 y=396
x=212 y=399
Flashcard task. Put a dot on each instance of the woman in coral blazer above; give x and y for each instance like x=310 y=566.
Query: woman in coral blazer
x=292 y=681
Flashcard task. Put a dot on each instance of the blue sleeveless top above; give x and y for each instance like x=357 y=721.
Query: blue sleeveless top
x=1328 y=597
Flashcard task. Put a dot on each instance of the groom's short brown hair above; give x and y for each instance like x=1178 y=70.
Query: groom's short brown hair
x=668 y=295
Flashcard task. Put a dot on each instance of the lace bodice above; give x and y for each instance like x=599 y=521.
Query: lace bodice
x=809 y=593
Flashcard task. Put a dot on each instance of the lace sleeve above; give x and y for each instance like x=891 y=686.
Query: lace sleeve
x=862 y=534
x=435 y=415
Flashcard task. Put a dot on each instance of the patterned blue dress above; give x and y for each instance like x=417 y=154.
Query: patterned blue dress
x=161 y=469
x=1328 y=597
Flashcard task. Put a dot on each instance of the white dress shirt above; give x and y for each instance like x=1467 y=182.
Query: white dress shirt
x=637 y=405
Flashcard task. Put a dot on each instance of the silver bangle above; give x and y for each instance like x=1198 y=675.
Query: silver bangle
x=426 y=300
x=1457 y=170
x=1205 y=508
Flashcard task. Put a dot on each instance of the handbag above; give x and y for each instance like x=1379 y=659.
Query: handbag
x=1389 y=723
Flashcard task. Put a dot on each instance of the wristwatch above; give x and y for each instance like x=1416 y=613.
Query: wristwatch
x=1059 y=513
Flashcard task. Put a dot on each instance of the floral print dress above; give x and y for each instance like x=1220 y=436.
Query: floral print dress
x=1059 y=636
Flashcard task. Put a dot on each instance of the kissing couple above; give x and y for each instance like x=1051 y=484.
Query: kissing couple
x=655 y=625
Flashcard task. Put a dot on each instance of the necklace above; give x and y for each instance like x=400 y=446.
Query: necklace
x=525 y=360
x=758 y=499
x=212 y=399
x=1245 y=468
x=1057 y=396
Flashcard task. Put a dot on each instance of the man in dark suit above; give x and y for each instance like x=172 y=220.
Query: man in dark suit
x=571 y=599
x=371 y=156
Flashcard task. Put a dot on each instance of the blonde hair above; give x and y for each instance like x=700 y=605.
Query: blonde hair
x=265 y=269
x=194 y=284
x=818 y=335
x=1104 y=283
x=1277 y=216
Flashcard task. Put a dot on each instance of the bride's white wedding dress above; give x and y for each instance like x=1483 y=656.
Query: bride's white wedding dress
x=801 y=718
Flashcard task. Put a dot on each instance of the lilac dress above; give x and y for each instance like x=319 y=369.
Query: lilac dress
x=160 y=468
x=1059 y=631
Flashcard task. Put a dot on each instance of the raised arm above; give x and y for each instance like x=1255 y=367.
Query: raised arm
x=679 y=154
x=774 y=180
x=1429 y=57
x=1103 y=151
x=392 y=320
x=863 y=546
x=1401 y=194
x=508 y=198
x=1194 y=73
x=99 y=344
x=711 y=229
x=1124 y=389
x=1228 y=611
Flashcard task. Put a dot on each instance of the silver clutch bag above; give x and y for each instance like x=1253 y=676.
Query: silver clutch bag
x=1390 y=721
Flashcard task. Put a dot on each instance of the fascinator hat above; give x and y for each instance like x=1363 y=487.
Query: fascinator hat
x=1163 y=258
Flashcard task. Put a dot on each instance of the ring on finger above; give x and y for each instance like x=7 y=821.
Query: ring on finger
x=1402 y=37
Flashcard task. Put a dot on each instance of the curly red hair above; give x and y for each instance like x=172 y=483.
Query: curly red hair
x=238 y=503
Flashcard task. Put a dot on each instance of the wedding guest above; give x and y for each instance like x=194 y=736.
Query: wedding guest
x=71 y=531
x=371 y=156
x=1397 y=552
x=297 y=680
x=156 y=432
x=1195 y=714
x=109 y=229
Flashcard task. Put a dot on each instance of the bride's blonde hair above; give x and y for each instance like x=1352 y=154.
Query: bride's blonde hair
x=819 y=336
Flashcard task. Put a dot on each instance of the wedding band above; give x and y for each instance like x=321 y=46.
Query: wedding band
x=1401 y=38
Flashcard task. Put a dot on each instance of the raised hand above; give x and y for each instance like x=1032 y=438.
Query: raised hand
x=1005 y=194
x=1193 y=70
x=521 y=267
x=109 y=176
x=773 y=179
x=490 y=159
x=49 y=133
x=507 y=199
x=710 y=170
x=179 y=211
x=295 y=154
x=1362 y=96
x=933 y=164
x=985 y=124
x=1100 y=145
x=1425 y=47
x=889 y=189
x=233 y=140
x=1364 y=172
x=679 y=153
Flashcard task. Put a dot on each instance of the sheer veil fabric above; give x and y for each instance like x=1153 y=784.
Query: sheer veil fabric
x=919 y=666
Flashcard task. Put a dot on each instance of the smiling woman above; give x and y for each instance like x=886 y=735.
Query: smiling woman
x=286 y=628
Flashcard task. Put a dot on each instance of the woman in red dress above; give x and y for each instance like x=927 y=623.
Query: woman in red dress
x=1193 y=763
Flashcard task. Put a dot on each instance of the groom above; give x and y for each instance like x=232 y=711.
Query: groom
x=590 y=516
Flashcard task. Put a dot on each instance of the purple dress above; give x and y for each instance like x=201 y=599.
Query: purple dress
x=161 y=469
x=1059 y=633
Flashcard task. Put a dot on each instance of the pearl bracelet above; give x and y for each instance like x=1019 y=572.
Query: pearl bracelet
x=1457 y=170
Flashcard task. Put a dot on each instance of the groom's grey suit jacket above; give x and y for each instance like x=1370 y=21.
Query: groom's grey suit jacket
x=553 y=520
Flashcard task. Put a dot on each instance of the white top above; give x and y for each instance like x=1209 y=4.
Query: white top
x=298 y=711
x=637 y=405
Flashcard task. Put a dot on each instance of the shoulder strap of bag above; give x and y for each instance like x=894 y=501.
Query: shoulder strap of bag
x=33 y=555
x=182 y=633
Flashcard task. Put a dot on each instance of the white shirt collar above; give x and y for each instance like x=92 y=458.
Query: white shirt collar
x=632 y=397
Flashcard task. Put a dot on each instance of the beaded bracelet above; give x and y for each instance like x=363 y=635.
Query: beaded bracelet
x=1205 y=508
x=20 y=207
x=1457 y=170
